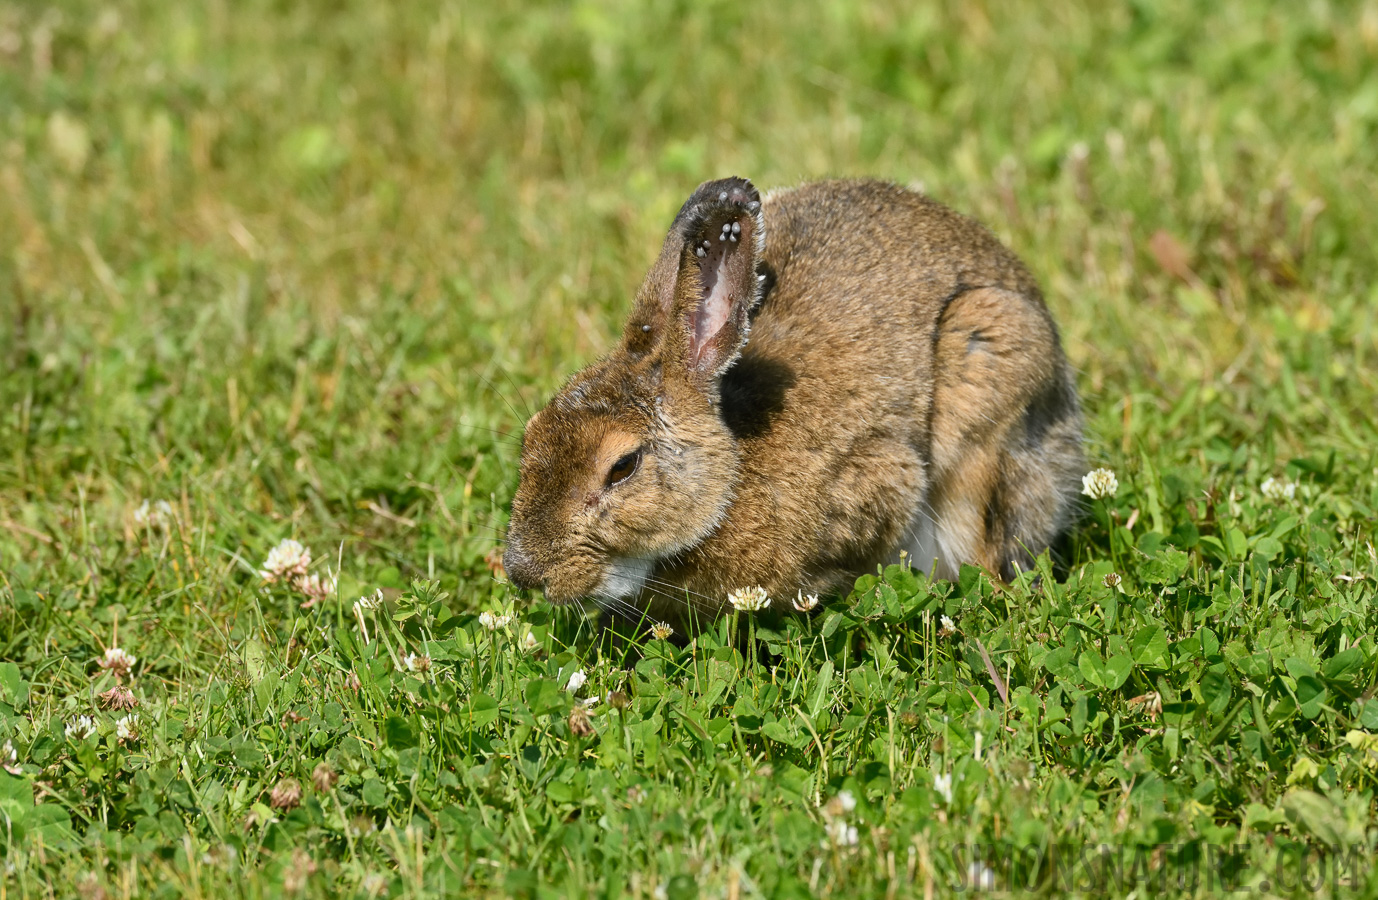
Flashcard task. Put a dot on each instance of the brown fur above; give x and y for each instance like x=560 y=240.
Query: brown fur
x=805 y=404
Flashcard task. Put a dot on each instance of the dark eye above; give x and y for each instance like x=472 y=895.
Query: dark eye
x=623 y=468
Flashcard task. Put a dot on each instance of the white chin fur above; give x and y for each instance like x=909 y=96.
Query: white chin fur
x=626 y=577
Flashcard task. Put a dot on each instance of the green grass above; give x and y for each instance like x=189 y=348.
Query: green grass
x=300 y=269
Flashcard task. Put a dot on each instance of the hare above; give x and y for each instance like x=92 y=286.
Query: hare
x=806 y=386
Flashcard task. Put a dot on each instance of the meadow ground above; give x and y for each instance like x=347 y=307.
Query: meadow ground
x=298 y=270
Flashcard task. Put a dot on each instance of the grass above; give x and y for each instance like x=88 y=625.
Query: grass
x=300 y=270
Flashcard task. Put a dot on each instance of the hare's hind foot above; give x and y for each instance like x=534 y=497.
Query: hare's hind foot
x=1006 y=435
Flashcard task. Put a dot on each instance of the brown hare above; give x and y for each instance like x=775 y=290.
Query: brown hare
x=807 y=385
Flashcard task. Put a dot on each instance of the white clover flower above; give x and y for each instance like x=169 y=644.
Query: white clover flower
x=493 y=622
x=841 y=834
x=80 y=728
x=286 y=795
x=1099 y=483
x=576 y=681
x=1112 y=580
x=943 y=785
x=946 y=627
x=117 y=661
x=591 y=702
x=419 y=663
x=155 y=516
x=9 y=759
x=315 y=587
x=580 y=725
x=118 y=697
x=980 y=876
x=803 y=603
x=842 y=803
x=366 y=603
x=288 y=560
x=127 y=729
x=750 y=599
x=1278 y=489
x=661 y=631
x=529 y=643
x=369 y=602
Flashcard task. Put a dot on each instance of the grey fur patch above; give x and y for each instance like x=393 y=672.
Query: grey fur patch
x=921 y=541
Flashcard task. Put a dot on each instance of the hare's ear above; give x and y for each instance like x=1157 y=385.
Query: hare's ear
x=697 y=299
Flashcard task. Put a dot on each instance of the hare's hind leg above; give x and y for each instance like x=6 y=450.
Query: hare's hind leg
x=1006 y=433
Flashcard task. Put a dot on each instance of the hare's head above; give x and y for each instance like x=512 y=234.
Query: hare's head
x=631 y=462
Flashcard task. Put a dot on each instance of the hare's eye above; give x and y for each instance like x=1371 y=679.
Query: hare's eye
x=623 y=468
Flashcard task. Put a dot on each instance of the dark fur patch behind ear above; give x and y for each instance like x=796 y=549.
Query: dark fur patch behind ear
x=753 y=393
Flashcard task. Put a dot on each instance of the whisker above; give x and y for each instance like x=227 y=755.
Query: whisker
x=658 y=581
x=688 y=601
x=712 y=602
x=707 y=609
x=621 y=607
x=505 y=437
x=583 y=621
x=924 y=511
x=512 y=384
x=672 y=592
x=644 y=615
x=653 y=592
x=494 y=388
x=633 y=615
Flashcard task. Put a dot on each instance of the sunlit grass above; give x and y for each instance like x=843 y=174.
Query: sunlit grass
x=301 y=271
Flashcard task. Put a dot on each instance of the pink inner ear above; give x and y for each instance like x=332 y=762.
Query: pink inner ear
x=715 y=309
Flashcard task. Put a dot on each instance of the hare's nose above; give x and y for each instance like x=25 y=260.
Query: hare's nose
x=520 y=570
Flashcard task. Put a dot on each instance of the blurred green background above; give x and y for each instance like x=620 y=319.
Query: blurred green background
x=302 y=269
x=287 y=232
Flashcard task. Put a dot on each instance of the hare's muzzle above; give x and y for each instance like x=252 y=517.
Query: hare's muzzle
x=521 y=571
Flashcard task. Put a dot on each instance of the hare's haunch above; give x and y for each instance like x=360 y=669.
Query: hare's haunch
x=805 y=386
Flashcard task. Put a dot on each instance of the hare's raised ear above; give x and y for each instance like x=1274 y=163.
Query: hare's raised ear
x=697 y=298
